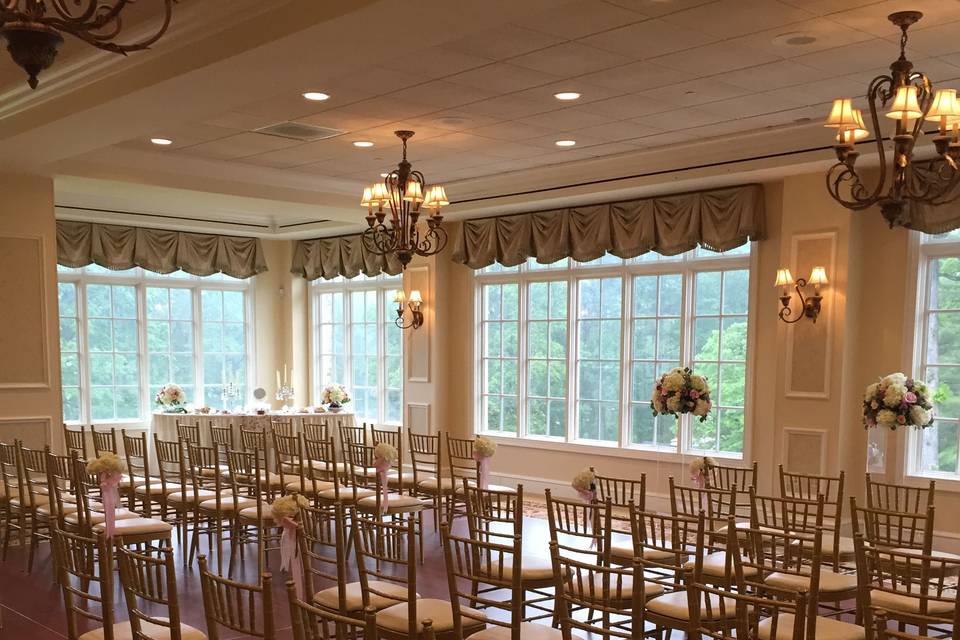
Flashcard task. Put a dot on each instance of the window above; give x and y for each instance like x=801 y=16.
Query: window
x=570 y=351
x=357 y=344
x=124 y=334
x=934 y=451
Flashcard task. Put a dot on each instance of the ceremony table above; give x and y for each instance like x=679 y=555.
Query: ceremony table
x=165 y=424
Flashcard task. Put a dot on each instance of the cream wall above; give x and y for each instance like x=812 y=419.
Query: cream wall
x=29 y=326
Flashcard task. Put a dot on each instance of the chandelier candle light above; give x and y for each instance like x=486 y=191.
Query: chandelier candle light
x=910 y=101
x=406 y=194
x=33 y=29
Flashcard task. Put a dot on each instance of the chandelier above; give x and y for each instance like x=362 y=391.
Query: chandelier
x=406 y=193
x=33 y=28
x=911 y=102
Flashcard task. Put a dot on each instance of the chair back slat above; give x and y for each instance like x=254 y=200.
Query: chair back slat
x=894 y=529
x=897 y=497
x=149 y=584
x=75 y=440
x=387 y=553
x=84 y=573
x=238 y=606
x=580 y=529
x=283 y=427
x=104 y=441
x=189 y=431
x=424 y=456
x=253 y=439
x=323 y=549
x=317 y=428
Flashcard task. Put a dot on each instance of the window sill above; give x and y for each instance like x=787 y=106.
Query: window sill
x=945 y=482
x=603 y=449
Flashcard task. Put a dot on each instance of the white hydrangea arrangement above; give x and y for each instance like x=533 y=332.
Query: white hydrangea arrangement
x=288 y=506
x=335 y=395
x=700 y=466
x=484 y=447
x=585 y=482
x=107 y=463
x=172 y=398
x=386 y=452
x=896 y=401
x=681 y=391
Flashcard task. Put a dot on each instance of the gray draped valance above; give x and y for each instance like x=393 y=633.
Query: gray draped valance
x=161 y=251
x=930 y=218
x=345 y=256
x=719 y=219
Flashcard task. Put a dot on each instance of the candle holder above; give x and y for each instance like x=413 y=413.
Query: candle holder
x=285 y=394
x=228 y=393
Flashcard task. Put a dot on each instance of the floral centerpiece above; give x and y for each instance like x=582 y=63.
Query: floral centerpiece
x=585 y=484
x=334 y=396
x=681 y=391
x=483 y=450
x=171 y=398
x=896 y=401
x=700 y=470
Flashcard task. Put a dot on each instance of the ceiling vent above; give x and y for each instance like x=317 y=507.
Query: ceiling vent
x=299 y=131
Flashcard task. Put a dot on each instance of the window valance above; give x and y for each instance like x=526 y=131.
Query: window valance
x=118 y=247
x=719 y=219
x=345 y=256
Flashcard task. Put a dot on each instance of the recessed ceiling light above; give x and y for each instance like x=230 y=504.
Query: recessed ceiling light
x=794 y=39
x=362 y=143
x=566 y=95
x=316 y=96
x=565 y=143
x=161 y=141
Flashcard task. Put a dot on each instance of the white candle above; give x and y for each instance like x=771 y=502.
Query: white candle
x=284 y=373
x=278 y=378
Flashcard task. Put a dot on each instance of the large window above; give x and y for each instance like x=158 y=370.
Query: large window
x=357 y=344
x=934 y=451
x=124 y=334
x=570 y=351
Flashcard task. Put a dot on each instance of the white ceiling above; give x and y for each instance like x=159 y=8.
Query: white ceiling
x=475 y=80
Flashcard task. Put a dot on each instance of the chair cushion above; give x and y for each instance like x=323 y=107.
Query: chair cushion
x=397 y=503
x=190 y=495
x=346 y=494
x=122 y=631
x=157 y=489
x=310 y=487
x=67 y=509
x=393 y=478
x=38 y=499
x=827 y=629
x=137 y=526
x=250 y=513
x=621 y=589
x=528 y=631
x=430 y=485
x=531 y=568
x=210 y=472
x=622 y=552
x=830 y=582
x=903 y=603
x=227 y=503
x=440 y=611
x=330 y=599
x=674 y=605
x=97 y=517
x=714 y=565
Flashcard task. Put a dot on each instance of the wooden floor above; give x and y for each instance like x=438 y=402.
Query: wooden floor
x=32 y=606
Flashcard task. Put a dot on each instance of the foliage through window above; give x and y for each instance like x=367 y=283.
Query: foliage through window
x=570 y=351
x=124 y=334
x=357 y=344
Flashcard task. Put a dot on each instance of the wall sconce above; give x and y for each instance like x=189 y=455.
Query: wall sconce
x=416 y=320
x=811 y=304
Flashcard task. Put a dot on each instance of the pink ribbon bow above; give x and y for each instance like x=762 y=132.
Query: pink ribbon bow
x=483 y=462
x=110 y=496
x=382 y=466
x=288 y=553
x=589 y=496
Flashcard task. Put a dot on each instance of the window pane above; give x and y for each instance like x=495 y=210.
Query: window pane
x=223 y=342
x=598 y=362
x=69 y=351
x=112 y=328
x=547 y=358
x=499 y=330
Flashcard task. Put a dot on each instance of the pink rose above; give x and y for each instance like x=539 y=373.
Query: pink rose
x=694 y=394
x=901 y=419
x=910 y=397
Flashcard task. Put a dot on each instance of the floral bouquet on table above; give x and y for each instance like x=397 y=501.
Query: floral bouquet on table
x=284 y=511
x=681 y=391
x=483 y=450
x=109 y=470
x=897 y=400
x=334 y=396
x=700 y=471
x=171 y=398
x=384 y=455
x=585 y=484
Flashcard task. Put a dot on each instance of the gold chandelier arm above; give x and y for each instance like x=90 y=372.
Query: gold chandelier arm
x=60 y=6
x=841 y=174
x=881 y=88
x=106 y=25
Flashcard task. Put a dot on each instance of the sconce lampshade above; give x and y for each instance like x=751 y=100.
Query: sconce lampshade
x=367 y=199
x=818 y=276
x=945 y=107
x=399 y=296
x=413 y=192
x=379 y=193
x=415 y=297
x=905 y=104
x=842 y=115
x=436 y=197
x=784 y=278
x=856 y=132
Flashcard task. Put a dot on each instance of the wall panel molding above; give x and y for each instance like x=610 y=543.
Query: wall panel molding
x=23 y=289
x=804 y=450
x=26 y=428
x=809 y=344
x=419 y=418
x=417 y=350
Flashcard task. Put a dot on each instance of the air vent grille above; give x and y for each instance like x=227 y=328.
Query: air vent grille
x=299 y=131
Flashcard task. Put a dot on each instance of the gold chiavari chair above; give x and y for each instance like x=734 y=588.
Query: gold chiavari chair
x=35 y=497
x=397 y=478
x=223 y=436
x=172 y=494
x=136 y=452
x=293 y=467
x=610 y=591
x=247 y=480
x=912 y=588
x=60 y=489
x=497 y=517
x=897 y=497
x=83 y=566
x=212 y=512
x=283 y=427
x=11 y=516
x=579 y=528
x=361 y=466
x=836 y=548
x=242 y=608
x=106 y=442
x=324 y=547
x=313 y=623
x=428 y=480
x=727 y=476
x=883 y=632
x=149 y=582
x=253 y=439
x=495 y=566
x=75 y=440
x=894 y=529
x=621 y=492
x=189 y=431
x=323 y=469
x=350 y=434
x=461 y=466
x=386 y=553
x=317 y=428
x=717 y=505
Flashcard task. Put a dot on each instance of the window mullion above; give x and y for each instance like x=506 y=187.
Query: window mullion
x=523 y=360
x=573 y=356
x=687 y=292
x=199 y=392
x=626 y=366
x=143 y=359
x=83 y=353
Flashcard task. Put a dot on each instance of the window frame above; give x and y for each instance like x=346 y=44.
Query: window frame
x=141 y=279
x=385 y=286
x=688 y=265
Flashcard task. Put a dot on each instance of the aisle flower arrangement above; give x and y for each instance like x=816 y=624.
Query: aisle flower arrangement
x=334 y=396
x=384 y=456
x=897 y=401
x=483 y=450
x=109 y=471
x=681 y=391
x=585 y=484
x=700 y=471
x=284 y=511
x=171 y=398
